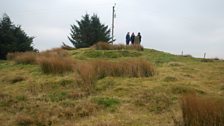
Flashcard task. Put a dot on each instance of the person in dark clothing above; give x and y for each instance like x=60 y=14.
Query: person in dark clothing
x=132 y=38
x=128 y=38
x=140 y=37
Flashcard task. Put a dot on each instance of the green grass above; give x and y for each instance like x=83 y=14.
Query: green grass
x=30 y=97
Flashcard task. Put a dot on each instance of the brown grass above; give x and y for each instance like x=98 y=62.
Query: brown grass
x=24 y=120
x=56 y=61
x=92 y=71
x=125 y=68
x=86 y=75
x=22 y=57
x=55 y=64
x=202 y=111
x=55 y=52
x=108 y=46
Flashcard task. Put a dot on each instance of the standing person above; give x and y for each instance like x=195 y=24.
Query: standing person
x=128 y=38
x=140 y=37
x=137 y=40
x=132 y=38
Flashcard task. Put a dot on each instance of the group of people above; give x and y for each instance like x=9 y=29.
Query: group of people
x=133 y=39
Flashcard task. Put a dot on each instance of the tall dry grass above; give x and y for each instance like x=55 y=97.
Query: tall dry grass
x=55 y=65
x=56 y=61
x=202 y=111
x=55 y=52
x=108 y=46
x=94 y=70
x=124 y=68
x=86 y=75
x=22 y=57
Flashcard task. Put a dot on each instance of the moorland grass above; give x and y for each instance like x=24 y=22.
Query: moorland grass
x=202 y=111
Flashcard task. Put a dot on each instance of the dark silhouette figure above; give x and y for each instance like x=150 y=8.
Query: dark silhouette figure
x=132 y=38
x=128 y=38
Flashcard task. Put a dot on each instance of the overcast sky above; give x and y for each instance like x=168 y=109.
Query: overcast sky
x=191 y=26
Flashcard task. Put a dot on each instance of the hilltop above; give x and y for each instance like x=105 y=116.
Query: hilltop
x=29 y=96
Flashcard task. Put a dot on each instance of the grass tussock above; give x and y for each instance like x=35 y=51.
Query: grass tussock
x=56 y=61
x=55 y=64
x=98 y=69
x=22 y=57
x=86 y=75
x=125 y=68
x=108 y=46
x=202 y=111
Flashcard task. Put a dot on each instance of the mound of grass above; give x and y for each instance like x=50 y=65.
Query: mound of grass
x=156 y=102
x=202 y=111
x=183 y=89
x=170 y=79
x=175 y=64
x=110 y=54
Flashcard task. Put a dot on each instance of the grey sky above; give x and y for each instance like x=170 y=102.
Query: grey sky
x=194 y=26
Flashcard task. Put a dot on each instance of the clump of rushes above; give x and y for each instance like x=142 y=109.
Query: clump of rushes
x=98 y=69
x=202 y=111
x=55 y=64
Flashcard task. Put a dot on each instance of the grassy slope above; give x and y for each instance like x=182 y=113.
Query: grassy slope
x=29 y=96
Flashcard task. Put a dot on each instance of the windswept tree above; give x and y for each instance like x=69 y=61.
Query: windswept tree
x=88 y=31
x=13 y=38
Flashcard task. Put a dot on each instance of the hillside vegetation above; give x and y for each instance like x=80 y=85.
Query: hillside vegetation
x=95 y=87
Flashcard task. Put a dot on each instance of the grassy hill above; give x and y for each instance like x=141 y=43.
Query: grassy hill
x=30 y=96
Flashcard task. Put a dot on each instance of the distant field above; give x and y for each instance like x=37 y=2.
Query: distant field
x=31 y=94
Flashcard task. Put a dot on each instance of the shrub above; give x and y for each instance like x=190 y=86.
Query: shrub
x=103 y=46
x=22 y=57
x=202 y=111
